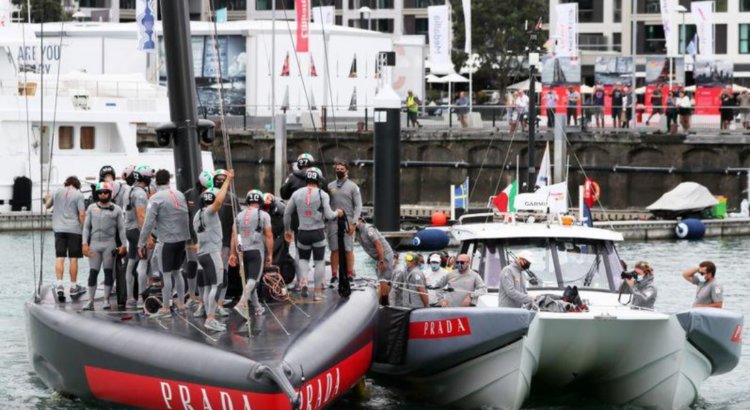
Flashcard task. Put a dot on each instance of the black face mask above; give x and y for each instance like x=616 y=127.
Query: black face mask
x=105 y=200
x=525 y=265
x=340 y=174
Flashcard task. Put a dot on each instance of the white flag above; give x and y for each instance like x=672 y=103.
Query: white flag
x=325 y=15
x=557 y=198
x=566 y=30
x=467 y=26
x=544 y=176
x=704 y=23
x=6 y=13
x=145 y=18
x=439 y=31
x=666 y=11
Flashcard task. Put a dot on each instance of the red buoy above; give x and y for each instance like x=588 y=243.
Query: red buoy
x=439 y=218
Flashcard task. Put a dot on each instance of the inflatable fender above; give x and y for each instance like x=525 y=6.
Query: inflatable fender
x=430 y=240
x=690 y=229
x=717 y=333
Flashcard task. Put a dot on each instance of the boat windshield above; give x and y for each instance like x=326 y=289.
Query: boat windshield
x=557 y=262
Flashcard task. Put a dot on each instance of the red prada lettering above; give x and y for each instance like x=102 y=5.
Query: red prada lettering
x=435 y=329
x=737 y=334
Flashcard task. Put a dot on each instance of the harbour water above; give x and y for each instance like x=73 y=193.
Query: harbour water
x=20 y=388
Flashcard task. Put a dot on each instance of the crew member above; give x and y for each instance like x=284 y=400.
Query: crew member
x=67 y=220
x=131 y=262
x=167 y=212
x=512 y=291
x=414 y=286
x=255 y=241
x=464 y=285
x=207 y=226
x=297 y=179
x=135 y=215
x=190 y=267
x=229 y=206
x=281 y=258
x=104 y=222
x=345 y=196
x=395 y=296
x=107 y=174
x=375 y=245
x=312 y=207
x=710 y=293
x=433 y=276
x=642 y=286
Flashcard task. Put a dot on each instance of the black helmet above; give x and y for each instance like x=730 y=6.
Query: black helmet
x=107 y=170
x=305 y=160
x=208 y=196
x=127 y=175
x=254 y=196
x=313 y=174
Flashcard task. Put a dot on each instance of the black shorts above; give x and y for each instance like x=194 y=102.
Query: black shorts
x=253 y=261
x=133 y=235
x=68 y=245
x=616 y=112
x=311 y=242
x=172 y=256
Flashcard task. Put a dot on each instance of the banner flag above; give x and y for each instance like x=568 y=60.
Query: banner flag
x=704 y=24
x=567 y=30
x=439 y=32
x=145 y=17
x=303 y=24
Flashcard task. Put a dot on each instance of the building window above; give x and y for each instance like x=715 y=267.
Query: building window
x=127 y=4
x=744 y=5
x=617 y=42
x=655 y=42
x=385 y=4
x=720 y=6
x=383 y=25
x=652 y=7
x=687 y=34
x=65 y=137
x=268 y=5
x=88 y=138
x=617 y=11
x=744 y=38
x=423 y=4
x=592 y=41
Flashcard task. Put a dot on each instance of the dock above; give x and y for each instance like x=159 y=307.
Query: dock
x=25 y=221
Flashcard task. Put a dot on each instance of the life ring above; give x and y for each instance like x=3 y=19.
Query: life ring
x=595 y=191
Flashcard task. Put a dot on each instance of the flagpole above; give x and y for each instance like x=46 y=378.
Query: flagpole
x=453 y=202
x=273 y=63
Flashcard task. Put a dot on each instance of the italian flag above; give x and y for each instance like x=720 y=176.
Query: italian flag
x=505 y=201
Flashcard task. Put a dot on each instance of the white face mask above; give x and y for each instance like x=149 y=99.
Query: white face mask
x=701 y=278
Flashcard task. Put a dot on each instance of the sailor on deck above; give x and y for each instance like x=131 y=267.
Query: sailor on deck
x=104 y=222
x=190 y=267
x=512 y=291
x=255 y=242
x=227 y=216
x=434 y=275
x=135 y=215
x=344 y=195
x=375 y=244
x=464 y=285
x=414 y=290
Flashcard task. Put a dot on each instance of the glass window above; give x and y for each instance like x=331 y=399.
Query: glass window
x=88 y=138
x=652 y=7
x=263 y=4
x=687 y=34
x=617 y=11
x=616 y=41
x=385 y=4
x=582 y=263
x=744 y=5
x=592 y=41
x=744 y=38
x=655 y=42
x=65 y=137
x=721 y=6
x=542 y=272
x=384 y=25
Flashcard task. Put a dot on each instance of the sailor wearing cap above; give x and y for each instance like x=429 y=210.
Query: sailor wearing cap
x=512 y=291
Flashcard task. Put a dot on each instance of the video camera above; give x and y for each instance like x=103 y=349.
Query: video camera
x=628 y=275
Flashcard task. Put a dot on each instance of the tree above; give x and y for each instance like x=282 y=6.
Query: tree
x=498 y=38
x=42 y=11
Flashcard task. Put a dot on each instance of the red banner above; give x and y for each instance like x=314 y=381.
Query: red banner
x=707 y=100
x=303 y=24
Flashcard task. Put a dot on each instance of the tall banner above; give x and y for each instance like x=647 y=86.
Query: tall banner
x=145 y=17
x=325 y=15
x=467 y=25
x=439 y=31
x=303 y=24
x=704 y=24
x=566 y=30
x=6 y=10
x=667 y=7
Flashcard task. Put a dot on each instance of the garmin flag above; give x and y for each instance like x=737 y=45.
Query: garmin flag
x=303 y=25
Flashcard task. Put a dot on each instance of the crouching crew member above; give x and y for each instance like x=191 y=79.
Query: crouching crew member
x=167 y=212
x=464 y=286
x=207 y=226
x=104 y=222
x=378 y=248
x=255 y=242
x=312 y=207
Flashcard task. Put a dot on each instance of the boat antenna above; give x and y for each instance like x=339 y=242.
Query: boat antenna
x=225 y=141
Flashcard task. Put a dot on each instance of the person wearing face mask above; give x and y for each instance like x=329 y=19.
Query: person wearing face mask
x=512 y=291
x=642 y=287
x=464 y=285
x=344 y=195
x=710 y=293
x=395 y=295
x=414 y=286
x=434 y=274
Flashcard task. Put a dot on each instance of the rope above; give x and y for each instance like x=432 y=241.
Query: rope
x=41 y=165
x=328 y=77
x=28 y=141
x=585 y=175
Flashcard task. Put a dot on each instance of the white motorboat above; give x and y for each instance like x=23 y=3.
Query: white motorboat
x=87 y=120
x=623 y=355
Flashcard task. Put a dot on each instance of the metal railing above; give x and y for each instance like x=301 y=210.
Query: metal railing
x=93 y=88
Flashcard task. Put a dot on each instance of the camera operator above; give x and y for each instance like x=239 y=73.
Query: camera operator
x=641 y=285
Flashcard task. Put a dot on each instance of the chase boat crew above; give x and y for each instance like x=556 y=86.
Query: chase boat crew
x=104 y=222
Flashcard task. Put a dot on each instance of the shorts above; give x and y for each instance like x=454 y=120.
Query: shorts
x=411 y=116
x=171 y=256
x=311 y=242
x=133 y=235
x=213 y=270
x=745 y=117
x=616 y=112
x=332 y=231
x=68 y=245
x=253 y=261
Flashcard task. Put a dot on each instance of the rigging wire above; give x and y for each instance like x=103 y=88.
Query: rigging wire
x=41 y=165
x=29 y=149
x=328 y=74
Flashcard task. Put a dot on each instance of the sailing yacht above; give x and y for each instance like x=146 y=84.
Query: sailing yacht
x=86 y=120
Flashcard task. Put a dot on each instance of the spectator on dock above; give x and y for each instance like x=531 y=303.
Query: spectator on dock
x=726 y=107
x=709 y=293
x=657 y=104
x=412 y=110
x=550 y=101
x=573 y=99
x=597 y=102
x=462 y=109
x=616 y=96
x=462 y=287
x=685 y=109
x=628 y=102
x=743 y=101
x=642 y=286
x=68 y=216
x=521 y=108
x=672 y=111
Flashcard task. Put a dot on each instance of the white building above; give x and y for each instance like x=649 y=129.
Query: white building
x=606 y=28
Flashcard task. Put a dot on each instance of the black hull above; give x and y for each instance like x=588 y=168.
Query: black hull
x=173 y=363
